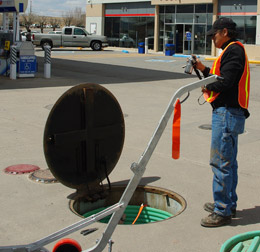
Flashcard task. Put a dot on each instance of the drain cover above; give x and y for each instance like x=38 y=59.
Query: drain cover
x=21 y=169
x=84 y=136
x=205 y=126
x=43 y=176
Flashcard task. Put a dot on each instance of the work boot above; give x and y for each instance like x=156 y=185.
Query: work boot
x=209 y=207
x=215 y=220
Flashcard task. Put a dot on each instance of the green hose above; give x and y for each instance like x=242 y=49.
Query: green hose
x=148 y=215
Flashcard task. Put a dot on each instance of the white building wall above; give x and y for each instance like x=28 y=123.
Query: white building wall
x=92 y=22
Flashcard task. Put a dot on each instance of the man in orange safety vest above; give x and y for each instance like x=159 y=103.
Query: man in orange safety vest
x=229 y=99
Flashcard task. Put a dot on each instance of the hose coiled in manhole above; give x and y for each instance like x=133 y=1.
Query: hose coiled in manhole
x=148 y=214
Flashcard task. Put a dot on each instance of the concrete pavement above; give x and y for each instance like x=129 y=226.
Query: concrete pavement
x=143 y=85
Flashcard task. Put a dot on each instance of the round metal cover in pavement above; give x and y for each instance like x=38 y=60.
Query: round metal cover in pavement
x=84 y=136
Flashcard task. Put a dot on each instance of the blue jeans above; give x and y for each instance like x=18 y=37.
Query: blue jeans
x=227 y=123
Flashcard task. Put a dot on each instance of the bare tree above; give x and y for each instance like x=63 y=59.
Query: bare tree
x=28 y=20
x=79 y=17
x=42 y=20
x=75 y=17
x=54 y=22
x=68 y=18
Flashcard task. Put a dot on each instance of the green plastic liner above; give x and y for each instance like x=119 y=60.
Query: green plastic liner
x=148 y=215
x=246 y=242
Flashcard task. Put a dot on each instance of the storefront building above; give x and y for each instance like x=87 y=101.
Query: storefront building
x=180 y=22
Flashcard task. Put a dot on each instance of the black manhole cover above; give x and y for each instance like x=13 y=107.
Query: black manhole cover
x=43 y=176
x=205 y=126
x=84 y=136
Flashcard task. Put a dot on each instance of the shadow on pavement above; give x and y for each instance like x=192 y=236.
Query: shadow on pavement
x=247 y=216
x=70 y=72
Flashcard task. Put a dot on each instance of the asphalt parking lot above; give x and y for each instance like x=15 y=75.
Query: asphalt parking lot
x=143 y=85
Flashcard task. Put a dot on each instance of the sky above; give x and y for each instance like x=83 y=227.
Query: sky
x=55 y=8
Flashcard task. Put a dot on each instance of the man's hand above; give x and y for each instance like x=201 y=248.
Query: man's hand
x=203 y=89
x=198 y=64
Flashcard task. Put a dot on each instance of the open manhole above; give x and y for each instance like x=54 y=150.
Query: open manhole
x=159 y=204
x=83 y=140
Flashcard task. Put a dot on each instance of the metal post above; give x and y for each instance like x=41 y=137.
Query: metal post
x=146 y=46
x=5 y=22
x=47 y=62
x=164 y=44
x=16 y=26
x=110 y=243
x=13 y=60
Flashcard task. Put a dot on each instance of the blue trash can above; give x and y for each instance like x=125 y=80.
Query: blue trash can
x=169 y=49
x=141 y=47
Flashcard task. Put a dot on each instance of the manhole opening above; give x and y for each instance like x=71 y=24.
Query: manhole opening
x=159 y=204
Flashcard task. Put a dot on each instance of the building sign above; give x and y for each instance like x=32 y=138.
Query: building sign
x=27 y=65
x=13 y=5
x=7 y=45
x=93 y=28
x=188 y=36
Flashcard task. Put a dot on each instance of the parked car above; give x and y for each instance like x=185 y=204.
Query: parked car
x=23 y=34
x=71 y=36
x=123 y=41
x=55 y=32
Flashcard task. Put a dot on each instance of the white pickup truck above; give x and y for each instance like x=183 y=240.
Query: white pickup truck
x=71 y=36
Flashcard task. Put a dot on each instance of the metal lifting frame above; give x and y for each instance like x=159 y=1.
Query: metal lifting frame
x=119 y=208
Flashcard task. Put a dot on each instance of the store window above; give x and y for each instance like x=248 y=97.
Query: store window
x=200 y=13
x=244 y=13
x=170 y=14
x=127 y=24
x=246 y=27
x=184 y=13
x=177 y=20
x=129 y=31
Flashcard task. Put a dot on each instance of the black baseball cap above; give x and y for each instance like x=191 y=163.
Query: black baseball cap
x=222 y=23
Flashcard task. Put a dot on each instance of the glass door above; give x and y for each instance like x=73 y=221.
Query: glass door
x=179 y=38
x=199 y=39
x=169 y=35
x=188 y=39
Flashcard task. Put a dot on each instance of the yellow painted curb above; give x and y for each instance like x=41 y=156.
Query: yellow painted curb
x=210 y=58
x=254 y=61
x=250 y=61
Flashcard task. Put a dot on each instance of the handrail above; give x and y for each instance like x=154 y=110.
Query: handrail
x=139 y=168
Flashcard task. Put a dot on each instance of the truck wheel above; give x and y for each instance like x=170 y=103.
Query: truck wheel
x=96 y=46
x=45 y=43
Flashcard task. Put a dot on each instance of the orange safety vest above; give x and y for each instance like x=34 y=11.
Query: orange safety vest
x=244 y=83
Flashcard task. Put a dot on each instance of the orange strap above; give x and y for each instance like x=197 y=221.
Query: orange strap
x=176 y=128
x=140 y=210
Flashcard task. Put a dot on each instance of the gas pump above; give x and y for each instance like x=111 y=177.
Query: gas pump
x=26 y=67
x=6 y=39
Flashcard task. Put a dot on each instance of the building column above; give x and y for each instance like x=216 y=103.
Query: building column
x=257 y=40
x=156 y=28
x=215 y=15
x=95 y=18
